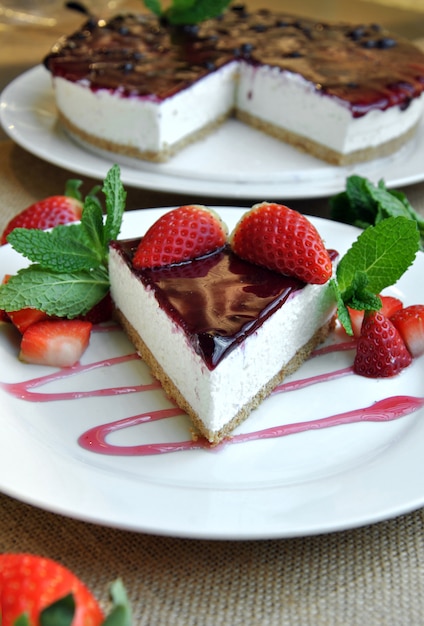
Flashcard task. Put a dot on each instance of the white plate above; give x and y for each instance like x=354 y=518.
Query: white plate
x=234 y=162
x=317 y=481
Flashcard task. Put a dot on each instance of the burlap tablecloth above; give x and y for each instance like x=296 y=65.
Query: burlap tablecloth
x=371 y=576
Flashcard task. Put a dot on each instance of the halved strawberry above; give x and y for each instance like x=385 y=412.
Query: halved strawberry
x=45 y=214
x=180 y=235
x=389 y=306
x=24 y=318
x=283 y=240
x=380 y=351
x=59 y=343
x=410 y=324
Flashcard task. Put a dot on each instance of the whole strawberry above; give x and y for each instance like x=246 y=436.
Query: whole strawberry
x=29 y=584
x=380 y=351
x=181 y=235
x=50 y=212
x=281 y=239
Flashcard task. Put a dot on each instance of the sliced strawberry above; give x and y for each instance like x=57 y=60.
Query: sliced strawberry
x=101 y=312
x=59 y=343
x=356 y=319
x=380 y=351
x=283 y=240
x=180 y=235
x=22 y=318
x=389 y=306
x=25 y=317
x=410 y=324
x=30 y=583
x=45 y=214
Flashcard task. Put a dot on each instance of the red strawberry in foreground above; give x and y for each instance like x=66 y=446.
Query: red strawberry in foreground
x=29 y=584
x=410 y=324
x=380 y=350
x=181 y=235
x=389 y=306
x=59 y=343
x=24 y=318
x=48 y=213
x=281 y=239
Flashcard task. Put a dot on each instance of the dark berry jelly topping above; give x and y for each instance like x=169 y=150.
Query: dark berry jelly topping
x=143 y=56
x=217 y=300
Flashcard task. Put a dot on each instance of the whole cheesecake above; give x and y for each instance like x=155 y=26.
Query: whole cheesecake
x=142 y=88
x=218 y=332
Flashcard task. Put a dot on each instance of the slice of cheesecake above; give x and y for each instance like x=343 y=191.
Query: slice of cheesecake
x=218 y=332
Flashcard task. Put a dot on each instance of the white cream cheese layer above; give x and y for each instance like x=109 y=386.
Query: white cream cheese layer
x=283 y=99
x=142 y=122
x=291 y=102
x=217 y=395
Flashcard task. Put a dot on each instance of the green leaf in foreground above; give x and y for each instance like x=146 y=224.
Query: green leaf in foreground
x=63 y=249
x=376 y=260
x=62 y=294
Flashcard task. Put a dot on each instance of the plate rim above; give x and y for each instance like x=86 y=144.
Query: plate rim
x=168 y=528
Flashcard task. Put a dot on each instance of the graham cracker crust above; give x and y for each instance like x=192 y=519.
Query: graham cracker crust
x=323 y=152
x=133 y=152
x=303 y=144
x=215 y=437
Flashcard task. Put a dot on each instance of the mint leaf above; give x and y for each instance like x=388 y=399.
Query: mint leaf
x=364 y=204
x=93 y=228
x=72 y=189
x=121 y=614
x=197 y=12
x=182 y=12
x=154 y=6
x=69 y=273
x=376 y=260
x=358 y=295
x=115 y=204
x=63 y=249
x=391 y=204
x=383 y=252
x=56 y=293
x=342 y=312
x=60 y=613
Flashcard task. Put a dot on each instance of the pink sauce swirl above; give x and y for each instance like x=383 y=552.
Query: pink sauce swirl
x=95 y=439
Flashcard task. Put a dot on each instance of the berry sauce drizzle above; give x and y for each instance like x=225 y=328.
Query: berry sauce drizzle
x=138 y=56
x=95 y=439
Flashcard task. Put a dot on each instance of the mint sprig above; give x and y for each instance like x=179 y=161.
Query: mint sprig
x=69 y=270
x=364 y=204
x=376 y=260
x=186 y=12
